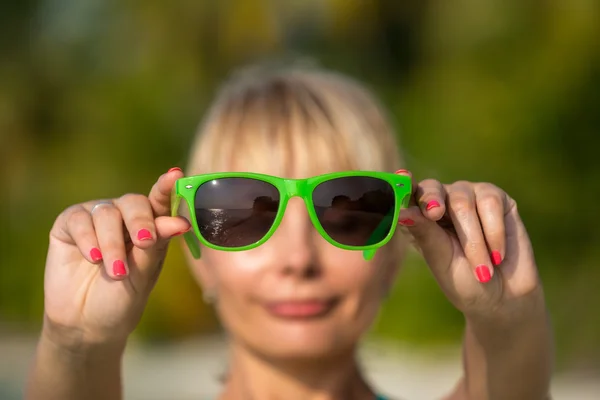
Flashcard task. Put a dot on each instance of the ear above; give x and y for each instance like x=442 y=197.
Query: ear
x=203 y=274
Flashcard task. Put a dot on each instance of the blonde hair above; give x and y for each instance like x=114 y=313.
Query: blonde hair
x=294 y=120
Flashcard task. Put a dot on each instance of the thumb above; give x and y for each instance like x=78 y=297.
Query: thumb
x=168 y=227
x=430 y=238
x=147 y=262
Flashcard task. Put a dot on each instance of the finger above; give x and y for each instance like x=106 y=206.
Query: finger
x=170 y=227
x=78 y=229
x=405 y=172
x=108 y=224
x=145 y=259
x=463 y=212
x=147 y=263
x=520 y=267
x=92 y=205
x=430 y=196
x=429 y=239
x=491 y=206
x=138 y=217
x=160 y=194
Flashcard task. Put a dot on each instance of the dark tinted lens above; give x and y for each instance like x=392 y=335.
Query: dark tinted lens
x=355 y=210
x=235 y=212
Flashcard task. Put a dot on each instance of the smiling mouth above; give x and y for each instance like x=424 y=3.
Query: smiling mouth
x=301 y=309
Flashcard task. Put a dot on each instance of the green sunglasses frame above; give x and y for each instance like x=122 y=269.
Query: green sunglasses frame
x=185 y=188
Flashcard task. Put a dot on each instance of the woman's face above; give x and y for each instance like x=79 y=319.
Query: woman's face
x=296 y=296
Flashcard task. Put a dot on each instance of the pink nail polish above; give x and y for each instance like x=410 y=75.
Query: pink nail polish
x=144 y=234
x=182 y=232
x=403 y=171
x=496 y=257
x=174 y=169
x=432 y=204
x=95 y=254
x=119 y=268
x=483 y=273
x=406 y=222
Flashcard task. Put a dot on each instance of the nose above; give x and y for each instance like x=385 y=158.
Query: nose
x=296 y=241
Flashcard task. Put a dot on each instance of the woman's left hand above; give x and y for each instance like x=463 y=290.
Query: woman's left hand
x=474 y=241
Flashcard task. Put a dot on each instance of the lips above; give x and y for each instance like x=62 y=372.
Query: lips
x=300 y=309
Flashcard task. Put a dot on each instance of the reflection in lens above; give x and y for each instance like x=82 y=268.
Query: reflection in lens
x=355 y=210
x=235 y=212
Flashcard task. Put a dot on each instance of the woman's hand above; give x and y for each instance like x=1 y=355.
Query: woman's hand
x=103 y=260
x=474 y=241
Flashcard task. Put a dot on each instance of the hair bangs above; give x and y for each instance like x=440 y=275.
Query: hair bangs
x=294 y=124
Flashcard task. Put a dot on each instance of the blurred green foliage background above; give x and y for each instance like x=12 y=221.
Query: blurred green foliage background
x=99 y=97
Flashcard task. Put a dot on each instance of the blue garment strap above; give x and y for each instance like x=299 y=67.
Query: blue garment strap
x=380 y=397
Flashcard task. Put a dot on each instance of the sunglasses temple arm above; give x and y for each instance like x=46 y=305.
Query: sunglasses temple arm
x=189 y=237
x=378 y=232
x=369 y=254
x=190 y=240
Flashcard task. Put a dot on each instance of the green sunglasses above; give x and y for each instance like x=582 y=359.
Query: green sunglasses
x=234 y=211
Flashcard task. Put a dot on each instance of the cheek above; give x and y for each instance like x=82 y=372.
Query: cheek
x=234 y=276
x=234 y=271
x=362 y=283
x=350 y=271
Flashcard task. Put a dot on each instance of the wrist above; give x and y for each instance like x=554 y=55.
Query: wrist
x=80 y=353
x=82 y=371
x=511 y=327
x=74 y=344
x=522 y=312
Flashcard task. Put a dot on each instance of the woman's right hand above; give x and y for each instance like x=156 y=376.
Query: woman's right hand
x=103 y=261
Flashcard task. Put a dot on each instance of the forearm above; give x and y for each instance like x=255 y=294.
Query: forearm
x=56 y=373
x=504 y=361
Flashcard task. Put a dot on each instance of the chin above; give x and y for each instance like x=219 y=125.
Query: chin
x=304 y=342
x=302 y=352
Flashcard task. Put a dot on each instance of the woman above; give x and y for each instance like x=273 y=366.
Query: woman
x=297 y=305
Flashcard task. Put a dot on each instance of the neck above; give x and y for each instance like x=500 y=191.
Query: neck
x=252 y=376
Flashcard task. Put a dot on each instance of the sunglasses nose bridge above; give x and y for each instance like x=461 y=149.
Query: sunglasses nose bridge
x=295 y=187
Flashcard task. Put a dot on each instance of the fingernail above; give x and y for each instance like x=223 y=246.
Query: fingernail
x=403 y=171
x=144 y=234
x=95 y=254
x=119 y=268
x=496 y=257
x=483 y=273
x=406 y=222
x=182 y=232
x=432 y=204
x=174 y=169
